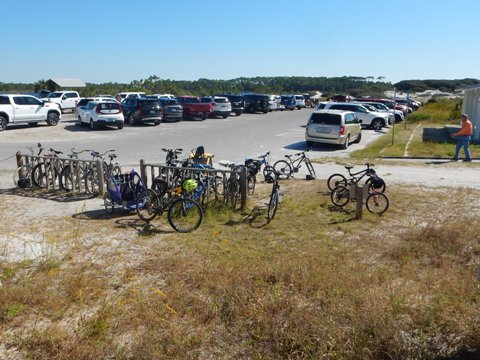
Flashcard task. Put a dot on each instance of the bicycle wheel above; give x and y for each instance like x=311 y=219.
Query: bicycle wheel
x=251 y=181
x=272 y=205
x=39 y=175
x=184 y=215
x=340 y=196
x=108 y=203
x=377 y=203
x=269 y=173
x=22 y=178
x=376 y=184
x=91 y=181
x=310 y=167
x=336 y=180
x=67 y=178
x=283 y=169
x=148 y=205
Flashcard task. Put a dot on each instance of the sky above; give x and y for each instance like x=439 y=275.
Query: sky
x=120 y=41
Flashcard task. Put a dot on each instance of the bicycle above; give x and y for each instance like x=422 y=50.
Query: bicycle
x=184 y=213
x=341 y=196
x=340 y=180
x=111 y=168
x=232 y=194
x=22 y=177
x=67 y=175
x=274 y=196
x=41 y=171
x=253 y=168
x=377 y=202
x=286 y=169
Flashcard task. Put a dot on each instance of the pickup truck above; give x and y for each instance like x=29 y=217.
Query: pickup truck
x=26 y=109
x=66 y=100
x=193 y=107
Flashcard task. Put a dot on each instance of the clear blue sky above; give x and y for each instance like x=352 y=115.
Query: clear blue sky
x=120 y=41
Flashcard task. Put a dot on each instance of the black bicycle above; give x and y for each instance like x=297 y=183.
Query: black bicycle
x=254 y=166
x=274 y=195
x=286 y=168
x=373 y=181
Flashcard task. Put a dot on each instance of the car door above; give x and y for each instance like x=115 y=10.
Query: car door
x=24 y=110
x=36 y=106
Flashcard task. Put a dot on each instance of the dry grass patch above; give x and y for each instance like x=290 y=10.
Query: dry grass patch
x=313 y=283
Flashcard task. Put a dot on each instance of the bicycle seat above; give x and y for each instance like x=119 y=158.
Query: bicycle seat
x=112 y=156
x=289 y=156
x=56 y=151
x=349 y=167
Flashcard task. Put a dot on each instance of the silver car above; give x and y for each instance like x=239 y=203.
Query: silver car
x=333 y=127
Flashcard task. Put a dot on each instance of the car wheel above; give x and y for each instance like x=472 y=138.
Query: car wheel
x=120 y=125
x=377 y=124
x=93 y=126
x=204 y=117
x=3 y=123
x=131 y=119
x=347 y=142
x=52 y=119
x=359 y=138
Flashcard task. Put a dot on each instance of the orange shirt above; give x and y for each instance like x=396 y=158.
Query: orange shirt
x=467 y=128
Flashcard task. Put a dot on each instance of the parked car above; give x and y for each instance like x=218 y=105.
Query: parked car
x=272 y=103
x=193 y=108
x=333 y=127
x=398 y=115
x=123 y=95
x=256 y=103
x=168 y=96
x=391 y=117
x=289 y=102
x=372 y=119
x=101 y=113
x=299 y=101
x=308 y=101
x=142 y=110
x=341 y=98
x=236 y=101
x=67 y=100
x=220 y=106
x=84 y=101
x=171 y=109
x=27 y=109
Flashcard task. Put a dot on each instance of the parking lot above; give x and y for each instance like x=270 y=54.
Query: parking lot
x=233 y=139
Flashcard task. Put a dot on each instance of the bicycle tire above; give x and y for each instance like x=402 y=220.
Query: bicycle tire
x=251 y=182
x=91 y=181
x=340 y=196
x=272 y=205
x=66 y=179
x=380 y=187
x=40 y=176
x=268 y=173
x=377 y=203
x=23 y=181
x=184 y=215
x=336 y=180
x=148 y=205
x=283 y=168
x=310 y=167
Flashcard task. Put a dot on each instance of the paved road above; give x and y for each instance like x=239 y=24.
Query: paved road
x=233 y=139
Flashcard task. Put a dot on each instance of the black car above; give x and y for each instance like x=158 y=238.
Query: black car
x=171 y=109
x=256 y=103
x=142 y=110
x=238 y=104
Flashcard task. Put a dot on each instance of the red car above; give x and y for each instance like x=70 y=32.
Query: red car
x=193 y=108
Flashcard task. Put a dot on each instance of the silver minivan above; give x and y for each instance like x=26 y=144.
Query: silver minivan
x=333 y=127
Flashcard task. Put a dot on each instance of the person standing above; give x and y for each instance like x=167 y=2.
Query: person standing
x=464 y=135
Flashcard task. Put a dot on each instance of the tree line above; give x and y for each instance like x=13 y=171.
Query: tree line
x=351 y=85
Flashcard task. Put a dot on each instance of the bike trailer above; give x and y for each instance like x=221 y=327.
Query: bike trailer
x=124 y=189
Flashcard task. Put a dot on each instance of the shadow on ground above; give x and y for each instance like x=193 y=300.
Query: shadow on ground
x=48 y=195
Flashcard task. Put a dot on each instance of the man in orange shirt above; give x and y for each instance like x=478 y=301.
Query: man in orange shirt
x=464 y=138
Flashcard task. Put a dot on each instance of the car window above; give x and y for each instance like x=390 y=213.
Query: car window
x=350 y=119
x=109 y=106
x=71 y=95
x=168 y=102
x=31 y=101
x=206 y=100
x=90 y=105
x=55 y=95
x=221 y=100
x=326 y=119
x=19 y=100
x=4 y=100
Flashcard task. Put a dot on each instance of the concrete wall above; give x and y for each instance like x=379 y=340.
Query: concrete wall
x=471 y=106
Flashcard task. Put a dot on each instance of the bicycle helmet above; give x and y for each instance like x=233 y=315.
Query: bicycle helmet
x=190 y=184
x=377 y=183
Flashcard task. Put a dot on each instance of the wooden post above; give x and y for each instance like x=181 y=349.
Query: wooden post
x=101 y=178
x=19 y=163
x=359 y=199
x=243 y=188
x=143 y=172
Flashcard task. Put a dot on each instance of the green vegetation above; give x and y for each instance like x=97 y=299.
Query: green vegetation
x=435 y=114
x=314 y=283
x=442 y=85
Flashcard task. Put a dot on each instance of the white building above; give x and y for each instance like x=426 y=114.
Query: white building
x=471 y=106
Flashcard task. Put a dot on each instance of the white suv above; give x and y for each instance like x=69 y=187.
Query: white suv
x=67 y=100
x=220 y=106
x=97 y=113
x=374 y=120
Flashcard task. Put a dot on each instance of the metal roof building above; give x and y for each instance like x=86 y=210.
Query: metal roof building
x=471 y=107
x=55 y=84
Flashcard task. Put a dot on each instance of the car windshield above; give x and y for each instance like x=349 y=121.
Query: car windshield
x=221 y=100
x=168 y=102
x=326 y=119
x=148 y=102
x=109 y=106
x=235 y=98
x=191 y=100
x=55 y=95
x=206 y=100
x=287 y=98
